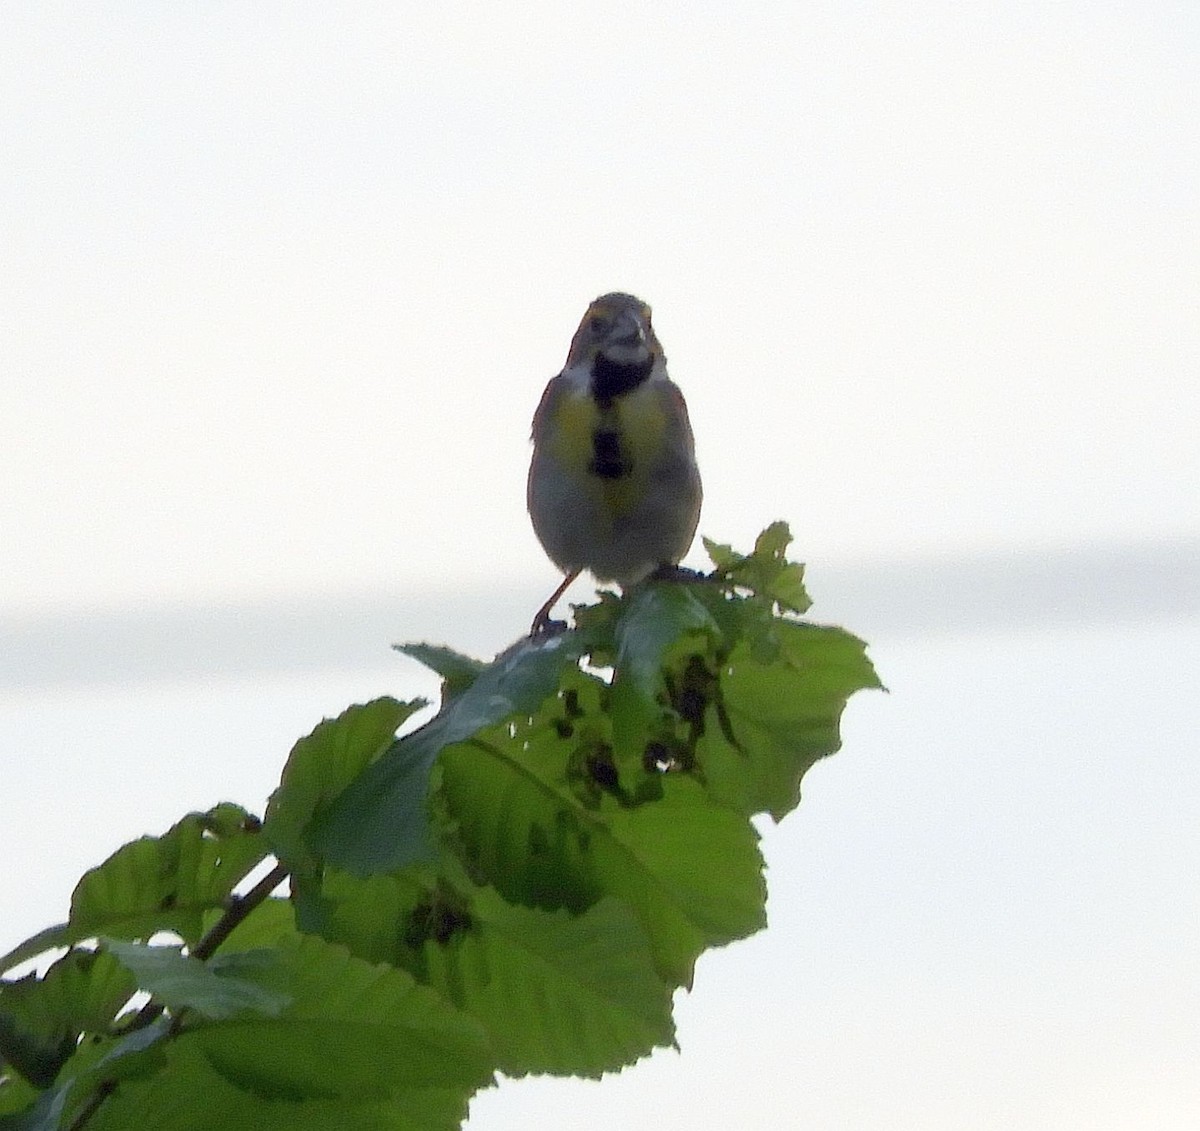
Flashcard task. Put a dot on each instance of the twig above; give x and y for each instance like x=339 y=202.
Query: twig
x=103 y=1090
x=239 y=907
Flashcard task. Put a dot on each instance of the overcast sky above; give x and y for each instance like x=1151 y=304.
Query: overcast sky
x=281 y=286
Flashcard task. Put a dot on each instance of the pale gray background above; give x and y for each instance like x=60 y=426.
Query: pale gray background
x=280 y=289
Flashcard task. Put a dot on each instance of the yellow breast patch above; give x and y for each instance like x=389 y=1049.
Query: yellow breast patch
x=631 y=428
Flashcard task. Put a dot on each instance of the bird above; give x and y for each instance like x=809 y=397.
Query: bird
x=613 y=484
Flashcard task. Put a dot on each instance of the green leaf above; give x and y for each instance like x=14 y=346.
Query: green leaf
x=351 y=1029
x=37 y=1054
x=166 y=883
x=322 y=765
x=783 y=716
x=193 y=1094
x=766 y=571
x=99 y=1062
x=381 y=821
x=458 y=671
x=41 y=1019
x=39 y=1111
x=16 y=1095
x=536 y=868
x=658 y=621
x=683 y=858
x=358 y=1045
x=557 y=992
x=221 y=988
x=51 y=938
x=18 y=1099
x=657 y=617
x=269 y=923
x=539 y=814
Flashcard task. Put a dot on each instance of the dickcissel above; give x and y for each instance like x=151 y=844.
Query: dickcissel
x=613 y=485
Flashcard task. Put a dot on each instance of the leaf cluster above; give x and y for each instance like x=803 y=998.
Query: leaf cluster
x=518 y=885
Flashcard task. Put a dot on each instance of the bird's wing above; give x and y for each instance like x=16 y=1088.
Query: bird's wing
x=554 y=390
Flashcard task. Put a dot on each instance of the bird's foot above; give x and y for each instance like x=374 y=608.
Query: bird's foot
x=543 y=627
x=669 y=572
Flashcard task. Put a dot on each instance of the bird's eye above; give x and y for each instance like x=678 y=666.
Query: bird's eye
x=598 y=324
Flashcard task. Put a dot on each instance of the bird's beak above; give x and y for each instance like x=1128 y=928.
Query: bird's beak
x=628 y=331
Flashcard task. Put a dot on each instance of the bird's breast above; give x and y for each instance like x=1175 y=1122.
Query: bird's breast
x=613 y=444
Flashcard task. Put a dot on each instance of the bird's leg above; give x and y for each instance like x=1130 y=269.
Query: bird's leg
x=542 y=624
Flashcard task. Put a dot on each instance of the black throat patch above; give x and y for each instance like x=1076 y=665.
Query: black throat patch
x=612 y=378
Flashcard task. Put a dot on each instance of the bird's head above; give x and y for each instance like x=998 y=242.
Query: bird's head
x=616 y=326
x=615 y=346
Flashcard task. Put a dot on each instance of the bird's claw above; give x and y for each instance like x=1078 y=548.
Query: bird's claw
x=668 y=572
x=543 y=628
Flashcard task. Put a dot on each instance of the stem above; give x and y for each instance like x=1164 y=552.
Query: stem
x=239 y=907
x=102 y=1092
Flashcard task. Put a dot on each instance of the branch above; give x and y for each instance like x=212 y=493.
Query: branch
x=239 y=907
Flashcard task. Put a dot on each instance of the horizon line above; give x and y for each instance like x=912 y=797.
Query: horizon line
x=1089 y=585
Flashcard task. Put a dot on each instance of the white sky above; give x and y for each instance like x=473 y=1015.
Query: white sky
x=280 y=287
